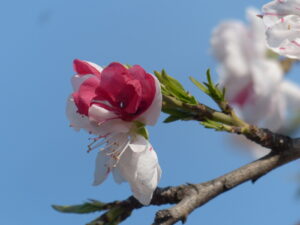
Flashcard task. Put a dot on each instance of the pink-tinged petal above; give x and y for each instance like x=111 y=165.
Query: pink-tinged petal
x=102 y=168
x=107 y=121
x=77 y=80
x=77 y=121
x=284 y=38
x=277 y=9
x=86 y=93
x=243 y=96
x=100 y=114
x=151 y=115
x=84 y=68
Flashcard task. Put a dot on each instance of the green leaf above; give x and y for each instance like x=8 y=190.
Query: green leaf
x=171 y=119
x=144 y=132
x=172 y=87
x=211 y=89
x=199 y=85
x=141 y=129
x=87 y=207
x=212 y=124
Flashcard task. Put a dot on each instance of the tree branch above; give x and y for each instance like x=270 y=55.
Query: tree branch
x=191 y=196
x=199 y=194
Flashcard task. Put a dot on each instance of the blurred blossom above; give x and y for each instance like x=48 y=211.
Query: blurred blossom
x=253 y=80
x=282 y=18
x=115 y=103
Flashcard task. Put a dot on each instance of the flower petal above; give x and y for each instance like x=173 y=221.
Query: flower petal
x=84 y=67
x=151 y=115
x=78 y=121
x=139 y=144
x=291 y=93
x=117 y=176
x=141 y=170
x=107 y=121
x=100 y=114
x=275 y=10
x=102 y=168
x=85 y=94
x=148 y=176
x=77 y=80
x=284 y=38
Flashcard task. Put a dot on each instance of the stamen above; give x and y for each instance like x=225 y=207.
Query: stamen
x=106 y=138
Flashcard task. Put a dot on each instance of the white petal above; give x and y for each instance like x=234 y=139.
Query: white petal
x=291 y=92
x=148 y=176
x=284 y=36
x=267 y=75
x=117 y=176
x=150 y=116
x=276 y=116
x=139 y=144
x=275 y=10
x=256 y=32
x=100 y=114
x=102 y=168
x=78 y=121
x=105 y=121
x=228 y=44
x=142 y=171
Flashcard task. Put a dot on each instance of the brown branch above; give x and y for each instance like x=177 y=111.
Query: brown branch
x=199 y=194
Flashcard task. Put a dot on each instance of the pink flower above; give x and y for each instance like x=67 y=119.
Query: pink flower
x=282 y=18
x=115 y=103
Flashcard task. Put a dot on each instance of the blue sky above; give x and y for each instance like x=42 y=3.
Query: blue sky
x=44 y=162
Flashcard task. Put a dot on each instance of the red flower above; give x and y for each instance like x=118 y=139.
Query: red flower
x=126 y=92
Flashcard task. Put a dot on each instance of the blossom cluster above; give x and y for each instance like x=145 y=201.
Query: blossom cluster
x=252 y=73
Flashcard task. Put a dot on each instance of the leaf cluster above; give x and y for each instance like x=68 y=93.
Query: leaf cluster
x=114 y=213
x=211 y=89
x=171 y=87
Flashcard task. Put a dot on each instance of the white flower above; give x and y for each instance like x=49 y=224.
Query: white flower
x=251 y=79
x=115 y=103
x=282 y=18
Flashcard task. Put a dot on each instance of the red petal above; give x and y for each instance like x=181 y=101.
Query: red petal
x=148 y=87
x=113 y=80
x=83 y=68
x=130 y=97
x=86 y=93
